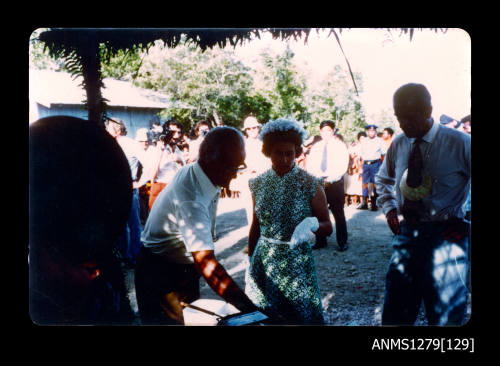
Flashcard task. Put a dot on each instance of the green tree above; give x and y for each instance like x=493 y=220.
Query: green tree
x=284 y=86
x=124 y=65
x=234 y=108
x=39 y=57
x=335 y=99
x=210 y=85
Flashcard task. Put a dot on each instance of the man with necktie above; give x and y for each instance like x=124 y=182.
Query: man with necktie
x=329 y=159
x=425 y=177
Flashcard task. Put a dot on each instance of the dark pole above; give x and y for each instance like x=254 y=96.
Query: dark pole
x=91 y=67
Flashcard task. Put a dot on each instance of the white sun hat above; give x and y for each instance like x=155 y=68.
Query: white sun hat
x=250 y=122
x=141 y=134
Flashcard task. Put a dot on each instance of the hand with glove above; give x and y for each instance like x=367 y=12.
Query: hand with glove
x=304 y=231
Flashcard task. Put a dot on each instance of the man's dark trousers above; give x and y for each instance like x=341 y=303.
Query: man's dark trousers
x=426 y=267
x=335 y=197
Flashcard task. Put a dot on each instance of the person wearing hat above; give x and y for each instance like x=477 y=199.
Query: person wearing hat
x=256 y=164
x=141 y=136
x=465 y=122
x=372 y=151
x=449 y=122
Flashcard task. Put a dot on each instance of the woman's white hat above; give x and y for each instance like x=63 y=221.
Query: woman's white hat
x=250 y=122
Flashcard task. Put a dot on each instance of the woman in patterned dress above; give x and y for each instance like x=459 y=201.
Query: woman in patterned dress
x=281 y=278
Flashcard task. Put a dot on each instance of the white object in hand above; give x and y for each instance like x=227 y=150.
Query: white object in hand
x=304 y=231
x=246 y=262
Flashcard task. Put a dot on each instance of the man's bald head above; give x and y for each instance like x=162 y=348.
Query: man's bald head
x=221 y=152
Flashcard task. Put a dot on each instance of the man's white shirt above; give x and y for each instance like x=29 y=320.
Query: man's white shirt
x=135 y=154
x=181 y=218
x=372 y=149
x=337 y=161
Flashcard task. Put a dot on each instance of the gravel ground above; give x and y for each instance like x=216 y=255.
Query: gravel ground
x=351 y=282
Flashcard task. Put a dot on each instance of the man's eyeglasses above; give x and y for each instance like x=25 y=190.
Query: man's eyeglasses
x=236 y=169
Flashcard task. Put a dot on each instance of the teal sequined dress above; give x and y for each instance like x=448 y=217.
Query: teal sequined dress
x=282 y=280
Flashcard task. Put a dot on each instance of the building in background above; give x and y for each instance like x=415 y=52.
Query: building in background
x=57 y=93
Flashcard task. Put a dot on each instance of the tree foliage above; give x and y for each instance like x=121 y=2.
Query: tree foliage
x=285 y=87
x=215 y=86
x=203 y=80
x=210 y=85
x=83 y=48
x=335 y=99
x=124 y=65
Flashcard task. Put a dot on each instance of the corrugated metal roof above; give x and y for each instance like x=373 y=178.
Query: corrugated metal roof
x=49 y=87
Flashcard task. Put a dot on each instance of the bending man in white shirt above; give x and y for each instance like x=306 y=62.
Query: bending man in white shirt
x=178 y=246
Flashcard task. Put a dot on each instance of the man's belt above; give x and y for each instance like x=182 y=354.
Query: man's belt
x=369 y=162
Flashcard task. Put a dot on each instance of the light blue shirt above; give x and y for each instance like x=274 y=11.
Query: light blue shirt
x=181 y=218
x=447 y=159
x=372 y=149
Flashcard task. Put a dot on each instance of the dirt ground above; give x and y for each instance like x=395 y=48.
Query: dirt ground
x=352 y=282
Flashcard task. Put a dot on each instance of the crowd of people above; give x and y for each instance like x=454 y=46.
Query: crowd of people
x=159 y=215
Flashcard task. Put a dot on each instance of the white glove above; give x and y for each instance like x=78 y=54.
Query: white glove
x=304 y=231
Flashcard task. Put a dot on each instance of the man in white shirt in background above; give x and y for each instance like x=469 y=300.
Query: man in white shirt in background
x=372 y=153
x=129 y=242
x=329 y=159
x=178 y=245
x=425 y=177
